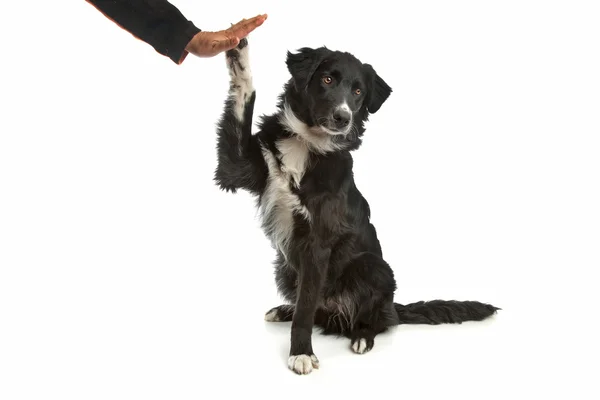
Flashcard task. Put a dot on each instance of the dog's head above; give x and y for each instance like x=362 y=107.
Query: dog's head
x=337 y=90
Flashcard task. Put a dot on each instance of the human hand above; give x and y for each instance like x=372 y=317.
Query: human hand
x=209 y=44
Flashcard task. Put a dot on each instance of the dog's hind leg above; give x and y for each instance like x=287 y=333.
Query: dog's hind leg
x=285 y=313
x=240 y=161
x=364 y=296
x=362 y=339
x=282 y=313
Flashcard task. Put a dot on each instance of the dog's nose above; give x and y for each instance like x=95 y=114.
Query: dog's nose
x=342 y=118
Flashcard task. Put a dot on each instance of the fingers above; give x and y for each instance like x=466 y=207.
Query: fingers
x=259 y=19
x=219 y=46
x=245 y=26
x=209 y=44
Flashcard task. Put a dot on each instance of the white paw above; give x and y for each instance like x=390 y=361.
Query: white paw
x=242 y=88
x=238 y=61
x=272 y=316
x=303 y=364
x=360 y=346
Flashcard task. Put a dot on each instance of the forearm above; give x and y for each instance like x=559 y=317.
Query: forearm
x=156 y=22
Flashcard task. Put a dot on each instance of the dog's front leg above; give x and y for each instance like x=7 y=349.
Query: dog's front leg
x=312 y=271
x=240 y=161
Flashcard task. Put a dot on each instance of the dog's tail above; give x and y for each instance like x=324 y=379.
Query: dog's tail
x=438 y=312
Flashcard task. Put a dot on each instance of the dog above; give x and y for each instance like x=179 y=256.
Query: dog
x=329 y=265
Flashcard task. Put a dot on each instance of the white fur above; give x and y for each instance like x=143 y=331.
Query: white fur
x=294 y=156
x=278 y=203
x=319 y=139
x=272 y=316
x=343 y=309
x=360 y=346
x=333 y=133
x=346 y=107
x=303 y=364
x=241 y=80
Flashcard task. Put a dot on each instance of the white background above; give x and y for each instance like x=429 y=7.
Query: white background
x=126 y=274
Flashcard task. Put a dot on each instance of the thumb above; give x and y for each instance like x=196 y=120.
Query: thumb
x=219 y=46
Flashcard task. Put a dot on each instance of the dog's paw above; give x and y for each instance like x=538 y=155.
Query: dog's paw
x=361 y=345
x=238 y=56
x=303 y=364
x=243 y=43
x=283 y=313
x=240 y=85
x=238 y=64
x=272 y=315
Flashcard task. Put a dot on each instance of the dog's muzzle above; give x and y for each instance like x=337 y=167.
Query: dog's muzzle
x=341 y=118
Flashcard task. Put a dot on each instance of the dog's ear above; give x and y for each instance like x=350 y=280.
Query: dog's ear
x=303 y=64
x=378 y=91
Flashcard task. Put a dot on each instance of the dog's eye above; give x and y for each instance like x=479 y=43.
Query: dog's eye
x=357 y=92
x=327 y=80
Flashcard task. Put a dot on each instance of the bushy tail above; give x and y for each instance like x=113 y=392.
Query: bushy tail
x=437 y=312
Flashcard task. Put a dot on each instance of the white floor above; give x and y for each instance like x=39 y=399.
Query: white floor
x=157 y=330
x=125 y=273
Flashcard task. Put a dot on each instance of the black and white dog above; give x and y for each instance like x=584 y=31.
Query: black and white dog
x=329 y=264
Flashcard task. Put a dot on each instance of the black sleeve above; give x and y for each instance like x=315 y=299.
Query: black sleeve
x=156 y=22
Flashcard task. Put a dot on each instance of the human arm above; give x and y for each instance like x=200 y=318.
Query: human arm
x=161 y=25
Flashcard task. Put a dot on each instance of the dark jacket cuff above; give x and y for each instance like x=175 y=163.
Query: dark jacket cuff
x=177 y=42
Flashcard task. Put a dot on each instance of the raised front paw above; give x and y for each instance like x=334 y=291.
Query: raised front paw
x=236 y=50
x=238 y=63
x=243 y=43
x=303 y=364
x=238 y=56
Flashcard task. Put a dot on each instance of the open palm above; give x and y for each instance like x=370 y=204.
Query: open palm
x=209 y=44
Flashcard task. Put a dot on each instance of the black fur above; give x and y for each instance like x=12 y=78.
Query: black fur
x=332 y=272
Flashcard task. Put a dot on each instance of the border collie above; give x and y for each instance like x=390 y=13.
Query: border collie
x=329 y=265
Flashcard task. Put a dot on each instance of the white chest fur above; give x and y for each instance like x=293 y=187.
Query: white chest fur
x=279 y=203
